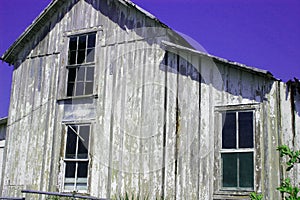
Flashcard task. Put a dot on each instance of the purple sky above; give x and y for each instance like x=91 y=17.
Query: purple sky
x=259 y=33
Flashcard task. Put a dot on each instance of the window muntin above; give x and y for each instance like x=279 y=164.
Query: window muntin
x=81 y=62
x=76 y=157
x=237 y=150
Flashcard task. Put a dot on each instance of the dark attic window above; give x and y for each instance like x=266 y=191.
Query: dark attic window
x=81 y=64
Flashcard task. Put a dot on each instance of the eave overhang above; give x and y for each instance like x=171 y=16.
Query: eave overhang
x=255 y=70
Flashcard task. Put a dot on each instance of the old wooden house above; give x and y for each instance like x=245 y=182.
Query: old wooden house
x=106 y=99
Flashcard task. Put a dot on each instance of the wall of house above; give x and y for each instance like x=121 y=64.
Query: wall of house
x=223 y=86
x=153 y=120
x=37 y=115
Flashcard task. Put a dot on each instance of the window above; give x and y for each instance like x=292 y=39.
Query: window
x=81 y=64
x=237 y=150
x=76 y=157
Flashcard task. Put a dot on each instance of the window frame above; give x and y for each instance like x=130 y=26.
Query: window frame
x=83 y=65
x=88 y=159
x=219 y=190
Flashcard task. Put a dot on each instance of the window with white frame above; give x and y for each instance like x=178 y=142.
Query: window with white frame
x=81 y=64
x=237 y=150
x=76 y=157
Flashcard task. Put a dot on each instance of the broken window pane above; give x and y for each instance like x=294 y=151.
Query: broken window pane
x=72 y=75
x=72 y=57
x=70 y=90
x=91 y=40
x=82 y=42
x=82 y=149
x=71 y=143
x=83 y=143
x=73 y=43
x=229 y=130
x=81 y=56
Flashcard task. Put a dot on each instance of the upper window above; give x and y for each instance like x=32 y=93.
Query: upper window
x=76 y=157
x=81 y=64
x=237 y=150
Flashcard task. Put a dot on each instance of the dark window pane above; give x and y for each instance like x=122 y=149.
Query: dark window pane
x=229 y=131
x=245 y=129
x=246 y=170
x=89 y=88
x=70 y=90
x=229 y=161
x=73 y=43
x=82 y=169
x=72 y=74
x=90 y=74
x=82 y=42
x=81 y=56
x=90 y=55
x=72 y=57
x=70 y=170
x=79 y=88
x=91 y=40
x=80 y=73
x=83 y=144
x=71 y=143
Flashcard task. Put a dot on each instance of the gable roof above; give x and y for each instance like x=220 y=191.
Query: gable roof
x=10 y=55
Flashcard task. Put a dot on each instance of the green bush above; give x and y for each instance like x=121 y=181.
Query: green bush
x=286 y=188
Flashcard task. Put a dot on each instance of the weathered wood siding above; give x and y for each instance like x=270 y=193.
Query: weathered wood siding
x=153 y=121
x=35 y=126
x=290 y=103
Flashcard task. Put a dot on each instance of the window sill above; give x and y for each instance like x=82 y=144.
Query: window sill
x=83 y=194
x=231 y=194
x=91 y=96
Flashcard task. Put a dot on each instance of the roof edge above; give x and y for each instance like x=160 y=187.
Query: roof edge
x=3 y=120
x=223 y=60
x=9 y=56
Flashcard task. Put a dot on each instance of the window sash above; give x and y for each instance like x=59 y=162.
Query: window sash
x=82 y=48
x=236 y=136
x=246 y=150
x=74 y=81
x=235 y=177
